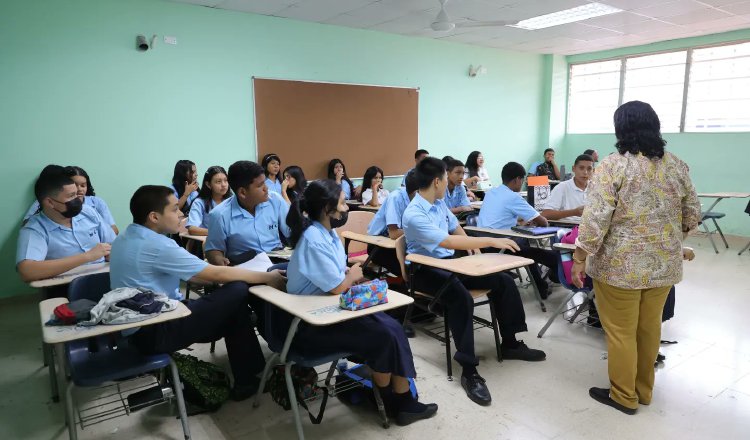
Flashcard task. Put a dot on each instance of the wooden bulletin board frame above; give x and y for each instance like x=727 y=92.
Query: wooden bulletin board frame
x=308 y=123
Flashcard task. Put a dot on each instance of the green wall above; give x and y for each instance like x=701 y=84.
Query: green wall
x=75 y=91
x=716 y=160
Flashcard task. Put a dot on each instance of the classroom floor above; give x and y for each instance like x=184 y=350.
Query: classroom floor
x=702 y=392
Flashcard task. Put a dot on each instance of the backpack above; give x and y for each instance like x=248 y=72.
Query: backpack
x=204 y=384
x=357 y=395
x=305 y=383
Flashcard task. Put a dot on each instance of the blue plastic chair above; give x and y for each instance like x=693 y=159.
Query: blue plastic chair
x=566 y=256
x=284 y=355
x=108 y=358
x=713 y=216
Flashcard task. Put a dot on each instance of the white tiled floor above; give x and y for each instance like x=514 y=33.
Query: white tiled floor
x=702 y=392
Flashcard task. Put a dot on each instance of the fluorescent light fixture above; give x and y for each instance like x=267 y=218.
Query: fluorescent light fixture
x=578 y=13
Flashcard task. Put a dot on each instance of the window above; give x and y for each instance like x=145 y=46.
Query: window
x=660 y=81
x=719 y=92
x=593 y=96
x=716 y=96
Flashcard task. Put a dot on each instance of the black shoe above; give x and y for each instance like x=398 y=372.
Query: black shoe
x=659 y=359
x=476 y=389
x=522 y=352
x=601 y=395
x=243 y=392
x=420 y=411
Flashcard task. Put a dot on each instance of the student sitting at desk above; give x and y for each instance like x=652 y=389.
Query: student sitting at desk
x=337 y=172
x=455 y=193
x=249 y=220
x=548 y=167
x=85 y=192
x=318 y=267
x=418 y=156
x=214 y=190
x=65 y=234
x=143 y=256
x=294 y=183
x=185 y=184
x=387 y=222
x=373 y=194
x=568 y=198
x=433 y=231
x=503 y=207
x=272 y=168
x=475 y=174
x=472 y=197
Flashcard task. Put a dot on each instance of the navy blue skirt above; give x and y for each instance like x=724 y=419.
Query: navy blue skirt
x=378 y=339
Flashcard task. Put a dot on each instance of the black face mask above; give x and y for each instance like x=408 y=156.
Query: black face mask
x=73 y=207
x=339 y=222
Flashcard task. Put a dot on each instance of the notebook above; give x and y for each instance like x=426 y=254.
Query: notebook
x=535 y=230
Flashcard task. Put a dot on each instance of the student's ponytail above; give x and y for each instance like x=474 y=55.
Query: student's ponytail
x=296 y=220
x=320 y=196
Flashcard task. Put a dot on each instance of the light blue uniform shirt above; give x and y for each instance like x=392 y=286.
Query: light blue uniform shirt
x=42 y=239
x=426 y=226
x=93 y=201
x=318 y=263
x=403 y=179
x=274 y=186
x=347 y=189
x=502 y=208
x=390 y=213
x=198 y=216
x=141 y=257
x=193 y=195
x=233 y=230
x=456 y=199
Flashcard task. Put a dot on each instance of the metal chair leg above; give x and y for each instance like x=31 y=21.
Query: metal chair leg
x=448 y=361
x=720 y=233
x=180 y=398
x=49 y=362
x=381 y=406
x=264 y=378
x=293 y=400
x=536 y=291
x=213 y=347
x=557 y=311
x=710 y=237
x=495 y=330
x=70 y=417
x=744 y=248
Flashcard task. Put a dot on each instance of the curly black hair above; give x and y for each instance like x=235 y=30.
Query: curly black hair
x=638 y=130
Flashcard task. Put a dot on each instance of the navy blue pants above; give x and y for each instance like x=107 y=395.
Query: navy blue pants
x=222 y=314
x=541 y=256
x=460 y=306
x=385 y=258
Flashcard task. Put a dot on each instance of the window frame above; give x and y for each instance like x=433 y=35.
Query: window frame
x=685 y=85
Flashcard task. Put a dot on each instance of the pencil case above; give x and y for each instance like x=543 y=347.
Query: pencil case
x=362 y=296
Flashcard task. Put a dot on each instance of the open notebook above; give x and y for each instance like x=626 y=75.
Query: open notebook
x=260 y=263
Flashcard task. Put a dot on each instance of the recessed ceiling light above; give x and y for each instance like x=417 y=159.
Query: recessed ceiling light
x=578 y=13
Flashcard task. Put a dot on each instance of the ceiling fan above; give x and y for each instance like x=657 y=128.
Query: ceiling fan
x=443 y=22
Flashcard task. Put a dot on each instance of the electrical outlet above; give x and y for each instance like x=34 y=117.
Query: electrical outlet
x=170 y=40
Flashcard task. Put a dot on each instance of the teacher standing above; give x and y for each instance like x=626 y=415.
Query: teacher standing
x=641 y=205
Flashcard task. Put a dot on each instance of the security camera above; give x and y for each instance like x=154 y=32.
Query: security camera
x=141 y=43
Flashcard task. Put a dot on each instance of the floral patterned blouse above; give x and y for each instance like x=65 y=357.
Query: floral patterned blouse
x=636 y=211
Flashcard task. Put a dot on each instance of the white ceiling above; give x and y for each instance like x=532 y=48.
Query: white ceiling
x=643 y=21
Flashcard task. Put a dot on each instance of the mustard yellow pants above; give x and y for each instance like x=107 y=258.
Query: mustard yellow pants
x=632 y=323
